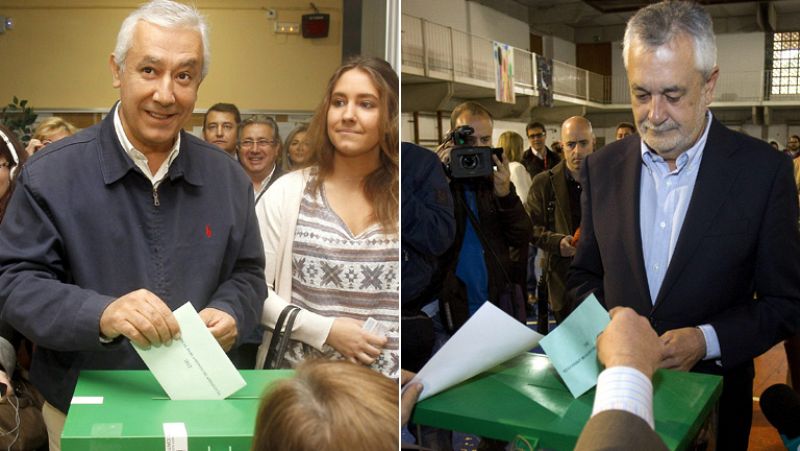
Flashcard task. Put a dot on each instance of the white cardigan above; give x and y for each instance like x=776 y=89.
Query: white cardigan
x=277 y=213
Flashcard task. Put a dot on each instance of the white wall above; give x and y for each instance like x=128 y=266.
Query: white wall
x=451 y=13
x=491 y=24
x=472 y=18
x=563 y=50
x=740 y=57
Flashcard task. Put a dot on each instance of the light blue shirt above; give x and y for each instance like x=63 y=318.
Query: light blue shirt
x=665 y=197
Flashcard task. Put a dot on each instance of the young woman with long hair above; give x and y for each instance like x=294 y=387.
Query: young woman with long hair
x=330 y=230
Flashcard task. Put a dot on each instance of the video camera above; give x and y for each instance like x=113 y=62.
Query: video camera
x=467 y=161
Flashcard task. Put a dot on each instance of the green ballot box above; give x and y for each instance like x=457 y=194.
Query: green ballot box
x=525 y=397
x=128 y=410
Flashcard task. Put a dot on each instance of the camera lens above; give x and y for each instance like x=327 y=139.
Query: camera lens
x=469 y=161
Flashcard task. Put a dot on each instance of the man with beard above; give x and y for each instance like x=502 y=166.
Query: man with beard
x=694 y=226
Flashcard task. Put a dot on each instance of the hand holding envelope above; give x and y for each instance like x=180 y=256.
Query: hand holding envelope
x=193 y=366
x=140 y=316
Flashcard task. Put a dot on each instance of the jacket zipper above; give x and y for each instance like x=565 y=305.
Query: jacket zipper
x=156 y=202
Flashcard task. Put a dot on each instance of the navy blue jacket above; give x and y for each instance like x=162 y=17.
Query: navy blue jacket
x=84 y=228
x=428 y=223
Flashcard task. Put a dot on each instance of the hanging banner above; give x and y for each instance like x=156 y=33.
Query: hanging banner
x=504 y=72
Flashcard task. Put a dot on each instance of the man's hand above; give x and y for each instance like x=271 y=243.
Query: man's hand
x=410 y=396
x=683 y=348
x=33 y=145
x=142 y=317
x=567 y=249
x=353 y=342
x=221 y=325
x=628 y=340
x=501 y=177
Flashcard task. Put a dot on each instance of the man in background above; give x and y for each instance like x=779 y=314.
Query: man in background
x=624 y=129
x=554 y=205
x=221 y=125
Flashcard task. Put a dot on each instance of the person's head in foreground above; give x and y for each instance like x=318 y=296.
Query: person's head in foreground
x=329 y=405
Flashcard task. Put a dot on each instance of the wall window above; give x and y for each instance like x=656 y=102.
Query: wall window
x=785 y=65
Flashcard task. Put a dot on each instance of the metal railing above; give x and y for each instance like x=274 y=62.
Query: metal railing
x=437 y=51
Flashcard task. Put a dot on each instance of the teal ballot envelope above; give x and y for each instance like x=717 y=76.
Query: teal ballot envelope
x=572 y=346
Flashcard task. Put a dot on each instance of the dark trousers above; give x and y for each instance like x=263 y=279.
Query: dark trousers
x=735 y=410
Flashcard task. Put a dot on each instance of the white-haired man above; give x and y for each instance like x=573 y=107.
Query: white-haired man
x=113 y=228
x=693 y=226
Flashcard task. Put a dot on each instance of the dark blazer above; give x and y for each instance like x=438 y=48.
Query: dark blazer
x=534 y=165
x=550 y=211
x=618 y=430
x=505 y=225
x=739 y=240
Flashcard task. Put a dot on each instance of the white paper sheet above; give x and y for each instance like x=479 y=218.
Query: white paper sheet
x=489 y=338
x=193 y=367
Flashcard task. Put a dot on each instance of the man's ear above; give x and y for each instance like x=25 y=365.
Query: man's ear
x=709 y=85
x=115 y=71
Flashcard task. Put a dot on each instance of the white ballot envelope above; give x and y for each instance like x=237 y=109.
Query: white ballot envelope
x=193 y=367
x=489 y=338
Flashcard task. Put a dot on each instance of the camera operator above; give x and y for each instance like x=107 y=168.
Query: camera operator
x=476 y=266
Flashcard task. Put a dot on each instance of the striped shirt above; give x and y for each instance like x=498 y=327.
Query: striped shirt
x=624 y=388
x=337 y=274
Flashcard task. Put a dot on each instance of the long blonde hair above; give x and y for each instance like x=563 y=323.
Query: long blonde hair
x=382 y=186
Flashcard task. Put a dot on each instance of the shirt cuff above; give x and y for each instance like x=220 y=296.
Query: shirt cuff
x=625 y=388
x=712 y=342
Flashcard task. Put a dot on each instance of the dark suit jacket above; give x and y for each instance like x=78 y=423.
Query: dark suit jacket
x=534 y=165
x=618 y=430
x=549 y=208
x=739 y=239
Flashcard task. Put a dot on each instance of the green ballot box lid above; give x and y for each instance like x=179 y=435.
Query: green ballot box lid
x=525 y=397
x=128 y=410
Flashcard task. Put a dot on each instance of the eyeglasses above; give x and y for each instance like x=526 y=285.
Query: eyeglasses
x=262 y=143
x=536 y=135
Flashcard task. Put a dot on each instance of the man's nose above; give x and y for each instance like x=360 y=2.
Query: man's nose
x=657 y=113
x=165 y=94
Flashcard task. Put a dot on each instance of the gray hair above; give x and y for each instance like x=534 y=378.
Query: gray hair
x=661 y=23
x=167 y=14
x=263 y=120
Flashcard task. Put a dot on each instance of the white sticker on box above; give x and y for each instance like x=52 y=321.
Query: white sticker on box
x=175 y=437
x=87 y=400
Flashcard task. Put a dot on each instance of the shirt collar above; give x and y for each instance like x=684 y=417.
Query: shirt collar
x=139 y=159
x=690 y=158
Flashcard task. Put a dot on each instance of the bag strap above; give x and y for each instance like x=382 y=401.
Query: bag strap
x=280 y=337
x=475 y=225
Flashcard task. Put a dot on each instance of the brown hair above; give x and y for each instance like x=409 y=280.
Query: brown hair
x=223 y=108
x=286 y=159
x=329 y=405
x=471 y=107
x=16 y=163
x=382 y=186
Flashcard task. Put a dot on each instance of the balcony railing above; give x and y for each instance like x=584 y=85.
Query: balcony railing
x=437 y=51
